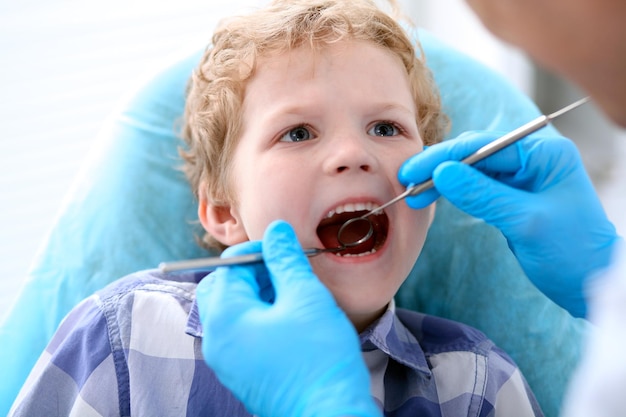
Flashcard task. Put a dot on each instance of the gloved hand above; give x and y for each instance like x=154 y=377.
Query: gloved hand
x=296 y=356
x=538 y=194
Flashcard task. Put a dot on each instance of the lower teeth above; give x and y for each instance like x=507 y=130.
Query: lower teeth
x=356 y=255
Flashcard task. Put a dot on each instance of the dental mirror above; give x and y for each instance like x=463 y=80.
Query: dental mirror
x=350 y=234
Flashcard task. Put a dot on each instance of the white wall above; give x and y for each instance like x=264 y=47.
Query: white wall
x=65 y=66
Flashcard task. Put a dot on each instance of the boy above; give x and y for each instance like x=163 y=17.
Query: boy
x=303 y=111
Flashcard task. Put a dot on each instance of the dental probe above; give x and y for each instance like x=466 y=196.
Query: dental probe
x=489 y=149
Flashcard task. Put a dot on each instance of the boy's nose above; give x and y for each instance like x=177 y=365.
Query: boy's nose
x=350 y=153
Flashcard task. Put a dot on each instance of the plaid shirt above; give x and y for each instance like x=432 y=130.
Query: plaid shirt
x=135 y=348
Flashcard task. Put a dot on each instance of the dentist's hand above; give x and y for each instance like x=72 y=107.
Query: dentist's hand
x=297 y=355
x=538 y=194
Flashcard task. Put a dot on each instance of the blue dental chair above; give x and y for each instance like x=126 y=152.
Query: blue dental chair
x=133 y=209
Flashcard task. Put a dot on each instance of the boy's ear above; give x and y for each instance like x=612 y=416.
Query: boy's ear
x=220 y=221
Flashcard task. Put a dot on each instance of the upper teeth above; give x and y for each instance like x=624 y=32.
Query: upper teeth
x=352 y=207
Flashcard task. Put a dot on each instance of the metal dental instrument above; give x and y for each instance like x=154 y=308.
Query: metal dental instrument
x=480 y=154
x=212 y=263
x=209 y=264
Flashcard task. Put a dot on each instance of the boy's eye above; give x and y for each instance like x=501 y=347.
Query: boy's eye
x=297 y=134
x=384 y=129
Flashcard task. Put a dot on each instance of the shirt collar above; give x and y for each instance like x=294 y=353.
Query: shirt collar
x=389 y=335
x=194 y=327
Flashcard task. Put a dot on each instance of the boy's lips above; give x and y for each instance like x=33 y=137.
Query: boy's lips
x=328 y=229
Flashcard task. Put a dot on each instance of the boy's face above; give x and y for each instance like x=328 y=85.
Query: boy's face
x=322 y=131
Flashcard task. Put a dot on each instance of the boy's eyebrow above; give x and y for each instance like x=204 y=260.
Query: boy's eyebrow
x=384 y=107
x=298 y=109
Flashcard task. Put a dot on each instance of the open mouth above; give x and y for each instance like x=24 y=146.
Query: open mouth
x=328 y=230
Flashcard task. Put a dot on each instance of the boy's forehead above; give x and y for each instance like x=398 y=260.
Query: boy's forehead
x=295 y=79
x=305 y=57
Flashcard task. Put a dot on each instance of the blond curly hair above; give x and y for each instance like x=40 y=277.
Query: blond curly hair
x=212 y=118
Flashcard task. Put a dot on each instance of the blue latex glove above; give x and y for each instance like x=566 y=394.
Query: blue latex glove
x=538 y=194
x=296 y=356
